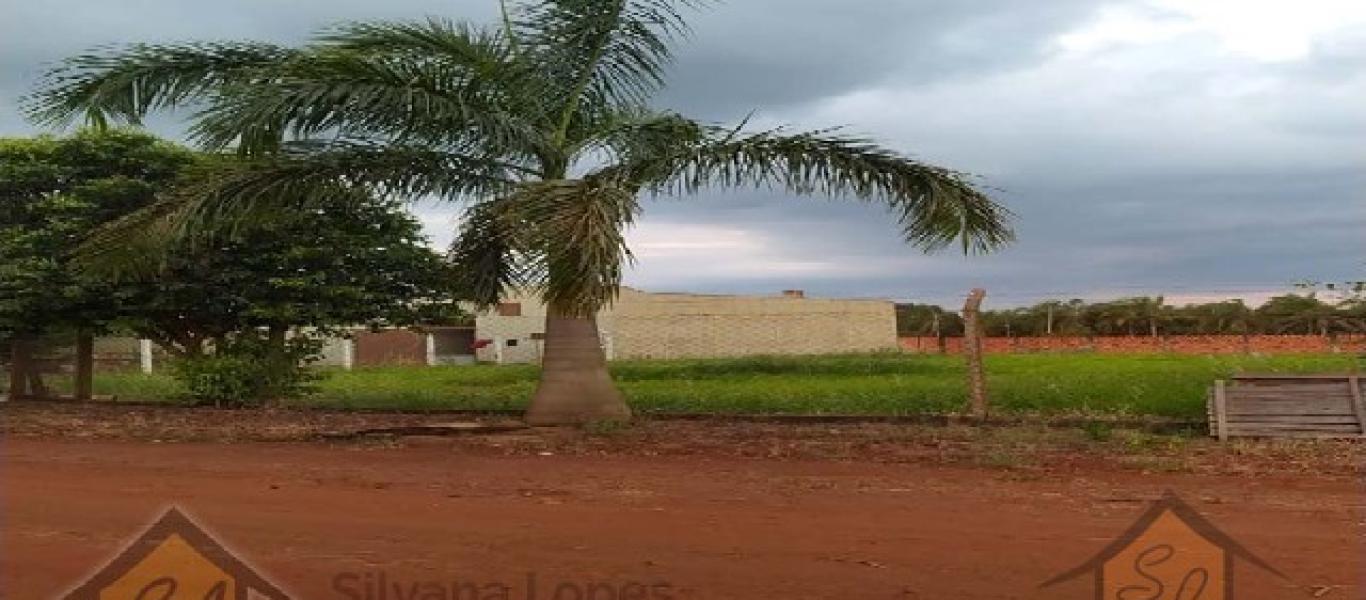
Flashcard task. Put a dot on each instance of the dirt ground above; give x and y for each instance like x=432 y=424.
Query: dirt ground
x=667 y=510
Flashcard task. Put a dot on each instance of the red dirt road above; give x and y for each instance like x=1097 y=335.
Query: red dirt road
x=693 y=526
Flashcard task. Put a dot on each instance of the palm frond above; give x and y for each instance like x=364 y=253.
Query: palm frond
x=387 y=169
x=134 y=247
x=562 y=239
x=233 y=195
x=934 y=206
x=214 y=202
x=480 y=50
x=638 y=136
x=126 y=84
x=576 y=229
x=595 y=54
x=405 y=100
x=489 y=255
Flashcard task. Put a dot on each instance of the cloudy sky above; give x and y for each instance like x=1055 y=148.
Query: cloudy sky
x=1197 y=148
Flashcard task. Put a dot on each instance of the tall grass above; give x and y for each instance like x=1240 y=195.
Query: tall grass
x=890 y=384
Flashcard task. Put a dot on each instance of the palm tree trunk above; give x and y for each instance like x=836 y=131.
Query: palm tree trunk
x=575 y=386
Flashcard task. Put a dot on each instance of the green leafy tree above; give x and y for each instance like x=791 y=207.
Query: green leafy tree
x=1350 y=306
x=1065 y=318
x=1015 y=322
x=53 y=191
x=357 y=260
x=1228 y=317
x=1307 y=314
x=1126 y=316
x=927 y=320
x=542 y=125
x=242 y=290
x=363 y=262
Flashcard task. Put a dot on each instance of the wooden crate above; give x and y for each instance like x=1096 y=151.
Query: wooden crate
x=1314 y=406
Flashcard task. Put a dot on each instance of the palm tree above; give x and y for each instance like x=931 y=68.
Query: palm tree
x=540 y=125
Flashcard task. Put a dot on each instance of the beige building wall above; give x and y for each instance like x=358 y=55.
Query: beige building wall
x=664 y=325
x=513 y=338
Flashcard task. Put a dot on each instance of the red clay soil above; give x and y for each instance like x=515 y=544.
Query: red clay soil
x=690 y=526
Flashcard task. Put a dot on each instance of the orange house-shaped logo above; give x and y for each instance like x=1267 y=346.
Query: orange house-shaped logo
x=176 y=559
x=1171 y=553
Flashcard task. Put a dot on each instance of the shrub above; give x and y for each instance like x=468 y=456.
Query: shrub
x=246 y=370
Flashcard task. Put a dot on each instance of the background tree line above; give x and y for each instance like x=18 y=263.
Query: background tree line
x=1307 y=313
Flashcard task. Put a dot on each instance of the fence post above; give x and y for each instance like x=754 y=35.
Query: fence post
x=939 y=343
x=972 y=350
x=145 y=355
x=348 y=353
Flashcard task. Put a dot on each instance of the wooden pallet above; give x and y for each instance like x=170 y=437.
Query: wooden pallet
x=1313 y=406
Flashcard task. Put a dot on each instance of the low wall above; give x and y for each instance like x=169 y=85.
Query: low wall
x=646 y=325
x=669 y=326
x=390 y=347
x=1180 y=344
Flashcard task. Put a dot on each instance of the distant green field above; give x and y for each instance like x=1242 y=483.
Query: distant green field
x=890 y=384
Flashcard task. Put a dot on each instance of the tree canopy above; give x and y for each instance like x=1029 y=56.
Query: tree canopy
x=353 y=262
x=363 y=263
x=53 y=192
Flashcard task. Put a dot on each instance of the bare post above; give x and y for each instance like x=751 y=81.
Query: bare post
x=145 y=355
x=85 y=366
x=972 y=350
x=939 y=342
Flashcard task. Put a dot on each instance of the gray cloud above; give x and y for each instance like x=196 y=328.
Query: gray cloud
x=36 y=34
x=1166 y=165
x=765 y=55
